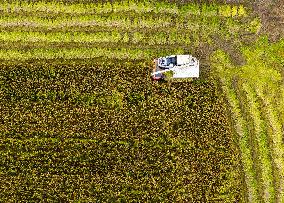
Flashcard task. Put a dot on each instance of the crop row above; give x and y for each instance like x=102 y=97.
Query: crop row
x=97 y=37
x=124 y=6
x=281 y=103
x=266 y=82
x=258 y=107
x=267 y=85
x=244 y=145
x=274 y=122
x=53 y=53
x=115 y=20
x=221 y=63
x=200 y=33
x=263 y=151
x=87 y=20
x=159 y=48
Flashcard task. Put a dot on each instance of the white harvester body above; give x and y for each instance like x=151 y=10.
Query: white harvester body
x=182 y=66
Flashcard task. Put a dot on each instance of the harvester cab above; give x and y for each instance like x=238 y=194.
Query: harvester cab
x=182 y=66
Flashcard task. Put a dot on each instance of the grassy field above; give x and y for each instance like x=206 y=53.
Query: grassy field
x=255 y=93
x=82 y=121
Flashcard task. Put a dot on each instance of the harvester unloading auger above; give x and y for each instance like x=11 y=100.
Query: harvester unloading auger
x=181 y=66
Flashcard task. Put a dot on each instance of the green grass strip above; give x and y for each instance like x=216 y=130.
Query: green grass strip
x=205 y=27
x=222 y=66
x=242 y=131
x=276 y=145
x=124 y=6
x=84 y=53
x=87 y=20
x=97 y=37
x=72 y=53
x=60 y=37
x=261 y=139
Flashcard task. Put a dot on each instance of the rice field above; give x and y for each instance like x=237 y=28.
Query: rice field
x=82 y=121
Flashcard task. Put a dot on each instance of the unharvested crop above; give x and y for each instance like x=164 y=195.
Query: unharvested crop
x=112 y=132
x=81 y=120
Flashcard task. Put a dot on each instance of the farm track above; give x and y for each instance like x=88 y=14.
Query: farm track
x=271 y=14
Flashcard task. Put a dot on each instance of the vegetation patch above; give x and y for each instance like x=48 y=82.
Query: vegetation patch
x=81 y=119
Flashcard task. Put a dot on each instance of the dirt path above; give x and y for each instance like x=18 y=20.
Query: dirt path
x=272 y=17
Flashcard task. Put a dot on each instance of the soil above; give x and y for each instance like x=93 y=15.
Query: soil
x=272 y=17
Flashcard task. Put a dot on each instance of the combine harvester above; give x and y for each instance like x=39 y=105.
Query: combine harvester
x=177 y=66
